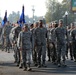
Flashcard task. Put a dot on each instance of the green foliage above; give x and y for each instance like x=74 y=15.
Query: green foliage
x=14 y=17
x=53 y=10
x=56 y=11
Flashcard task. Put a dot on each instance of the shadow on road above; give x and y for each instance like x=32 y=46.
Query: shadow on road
x=70 y=69
x=9 y=64
x=50 y=69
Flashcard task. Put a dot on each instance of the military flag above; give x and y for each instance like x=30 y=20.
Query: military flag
x=5 y=19
x=22 y=17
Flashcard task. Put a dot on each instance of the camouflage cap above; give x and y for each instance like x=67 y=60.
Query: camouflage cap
x=25 y=25
x=61 y=20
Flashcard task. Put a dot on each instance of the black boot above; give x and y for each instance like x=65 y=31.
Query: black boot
x=8 y=50
x=28 y=67
x=58 y=62
x=24 y=64
x=21 y=66
x=39 y=64
x=63 y=64
x=43 y=64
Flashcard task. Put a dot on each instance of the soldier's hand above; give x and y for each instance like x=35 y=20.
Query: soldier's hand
x=71 y=42
x=3 y=36
x=20 y=48
x=47 y=45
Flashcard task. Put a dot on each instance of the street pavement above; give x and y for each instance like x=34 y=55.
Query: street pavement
x=8 y=67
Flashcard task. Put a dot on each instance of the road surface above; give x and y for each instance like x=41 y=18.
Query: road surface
x=7 y=67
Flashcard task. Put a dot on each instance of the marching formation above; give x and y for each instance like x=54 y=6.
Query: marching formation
x=36 y=41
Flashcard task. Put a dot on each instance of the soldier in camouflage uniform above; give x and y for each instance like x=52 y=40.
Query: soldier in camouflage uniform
x=73 y=35
x=52 y=43
x=34 y=48
x=17 y=30
x=48 y=41
x=40 y=41
x=60 y=33
x=6 y=31
x=69 y=41
x=24 y=43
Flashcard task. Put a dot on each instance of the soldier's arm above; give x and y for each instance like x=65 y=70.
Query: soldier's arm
x=19 y=40
x=2 y=31
x=67 y=36
x=71 y=34
x=31 y=37
x=55 y=35
x=46 y=33
x=35 y=36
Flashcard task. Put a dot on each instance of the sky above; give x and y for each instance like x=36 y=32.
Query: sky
x=16 y=5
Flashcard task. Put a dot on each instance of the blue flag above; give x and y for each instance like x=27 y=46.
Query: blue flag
x=5 y=19
x=22 y=17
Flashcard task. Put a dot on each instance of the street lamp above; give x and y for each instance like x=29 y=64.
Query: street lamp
x=33 y=20
x=66 y=14
x=44 y=21
x=33 y=12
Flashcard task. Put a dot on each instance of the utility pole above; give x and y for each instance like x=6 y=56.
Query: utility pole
x=33 y=12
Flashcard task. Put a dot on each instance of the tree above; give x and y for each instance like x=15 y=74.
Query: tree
x=14 y=17
x=56 y=11
x=53 y=10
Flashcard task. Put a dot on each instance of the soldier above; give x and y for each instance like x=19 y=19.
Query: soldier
x=53 y=42
x=34 y=48
x=73 y=35
x=48 y=41
x=16 y=50
x=40 y=42
x=11 y=35
x=24 y=44
x=69 y=41
x=60 y=33
x=6 y=31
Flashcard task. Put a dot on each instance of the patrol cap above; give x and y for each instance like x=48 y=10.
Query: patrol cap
x=31 y=24
x=37 y=22
x=56 y=22
x=41 y=21
x=25 y=25
x=61 y=20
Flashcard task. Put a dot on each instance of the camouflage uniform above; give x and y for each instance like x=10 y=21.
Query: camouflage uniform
x=16 y=50
x=48 y=43
x=24 y=42
x=53 y=42
x=6 y=32
x=73 y=35
x=34 y=48
x=11 y=35
x=69 y=42
x=40 y=40
x=61 y=43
